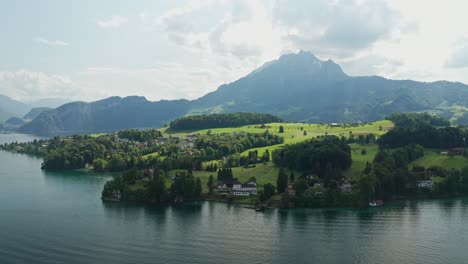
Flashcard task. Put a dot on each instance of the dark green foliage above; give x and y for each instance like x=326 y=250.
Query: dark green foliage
x=314 y=156
x=268 y=190
x=198 y=187
x=105 y=152
x=100 y=165
x=409 y=120
x=210 y=183
x=292 y=177
x=426 y=136
x=186 y=186
x=300 y=186
x=140 y=135
x=225 y=174
x=281 y=129
x=197 y=122
x=281 y=181
x=157 y=190
x=391 y=170
x=366 y=186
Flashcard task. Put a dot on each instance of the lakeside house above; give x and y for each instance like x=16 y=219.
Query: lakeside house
x=425 y=184
x=290 y=190
x=456 y=151
x=335 y=124
x=344 y=185
x=248 y=189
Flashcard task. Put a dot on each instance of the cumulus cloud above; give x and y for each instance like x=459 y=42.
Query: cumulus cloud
x=113 y=22
x=28 y=85
x=335 y=28
x=227 y=32
x=51 y=42
x=163 y=81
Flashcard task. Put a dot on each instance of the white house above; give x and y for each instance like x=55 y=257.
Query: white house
x=345 y=186
x=426 y=184
x=248 y=189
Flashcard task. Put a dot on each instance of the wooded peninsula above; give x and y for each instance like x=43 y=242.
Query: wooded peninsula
x=260 y=159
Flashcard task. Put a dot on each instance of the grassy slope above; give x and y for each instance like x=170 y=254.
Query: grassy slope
x=264 y=173
x=293 y=133
x=359 y=160
x=434 y=158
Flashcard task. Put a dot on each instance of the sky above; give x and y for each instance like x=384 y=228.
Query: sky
x=88 y=50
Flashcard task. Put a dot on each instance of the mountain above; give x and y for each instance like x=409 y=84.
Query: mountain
x=301 y=87
x=295 y=87
x=35 y=112
x=11 y=108
x=106 y=115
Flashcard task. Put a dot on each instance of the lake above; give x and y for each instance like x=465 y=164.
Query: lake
x=58 y=217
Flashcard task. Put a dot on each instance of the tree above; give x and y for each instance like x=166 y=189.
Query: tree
x=157 y=190
x=198 y=187
x=117 y=163
x=210 y=183
x=305 y=133
x=268 y=190
x=366 y=185
x=100 y=165
x=281 y=129
x=300 y=186
x=282 y=181
x=292 y=177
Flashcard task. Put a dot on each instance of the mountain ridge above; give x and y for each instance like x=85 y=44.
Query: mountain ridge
x=295 y=87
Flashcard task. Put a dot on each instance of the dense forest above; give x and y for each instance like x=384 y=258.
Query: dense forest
x=140 y=135
x=409 y=120
x=316 y=156
x=106 y=152
x=426 y=136
x=197 y=122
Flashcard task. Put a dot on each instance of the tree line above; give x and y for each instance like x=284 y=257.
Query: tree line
x=197 y=122
x=315 y=155
x=409 y=120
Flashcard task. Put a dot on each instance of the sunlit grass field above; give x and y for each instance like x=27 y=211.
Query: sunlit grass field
x=433 y=157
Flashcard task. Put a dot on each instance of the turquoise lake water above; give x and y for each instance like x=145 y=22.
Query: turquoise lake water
x=58 y=217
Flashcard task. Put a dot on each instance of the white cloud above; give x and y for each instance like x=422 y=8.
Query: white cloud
x=28 y=85
x=185 y=51
x=51 y=42
x=163 y=81
x=113 y=22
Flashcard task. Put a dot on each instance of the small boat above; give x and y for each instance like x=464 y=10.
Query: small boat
x=375 y=203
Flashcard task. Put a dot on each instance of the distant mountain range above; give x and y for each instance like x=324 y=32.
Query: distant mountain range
x=10 y=108
x=296 y=87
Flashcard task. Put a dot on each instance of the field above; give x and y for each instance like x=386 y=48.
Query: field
x=434 y=158
x=294 y=132
x=263 y=173
x=359 y=159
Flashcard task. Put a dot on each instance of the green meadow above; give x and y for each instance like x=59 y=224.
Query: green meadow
x=433 y=157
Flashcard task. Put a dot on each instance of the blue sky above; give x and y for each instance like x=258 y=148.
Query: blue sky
x=88 y=50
